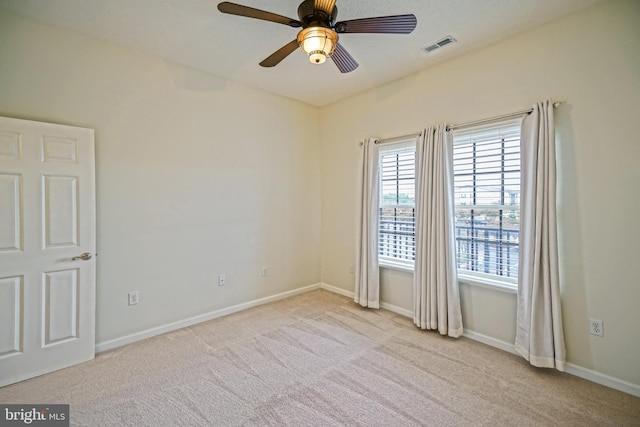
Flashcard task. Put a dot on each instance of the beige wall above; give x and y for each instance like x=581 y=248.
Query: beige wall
x=196 y=176
x=590 y=60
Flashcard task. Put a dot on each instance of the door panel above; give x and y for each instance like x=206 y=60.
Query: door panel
x=60 y=218
x=10 y=212
x=60 y=306
x=60 y=150
x=10 y=144
x=47 y=217
x=10 y=315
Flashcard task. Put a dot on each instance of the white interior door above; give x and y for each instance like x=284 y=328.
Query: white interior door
x=47 y=221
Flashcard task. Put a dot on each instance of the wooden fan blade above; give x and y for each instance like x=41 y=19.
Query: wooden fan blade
x=249 y=12
x=325 y=5
x=343 y=60
x=398 y=24
x=280 y=54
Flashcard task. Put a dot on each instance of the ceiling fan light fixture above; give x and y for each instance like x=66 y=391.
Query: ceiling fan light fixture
x=318 y=42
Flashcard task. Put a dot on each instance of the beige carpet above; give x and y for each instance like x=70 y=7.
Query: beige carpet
x=317 y=359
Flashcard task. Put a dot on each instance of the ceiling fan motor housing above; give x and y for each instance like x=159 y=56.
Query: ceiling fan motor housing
x=311 y=17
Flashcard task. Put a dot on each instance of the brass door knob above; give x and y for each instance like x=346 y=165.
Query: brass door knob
x=85 y=257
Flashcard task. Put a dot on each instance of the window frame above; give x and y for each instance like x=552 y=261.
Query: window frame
x=399 y=146
x=493 y=281
x=475 y=278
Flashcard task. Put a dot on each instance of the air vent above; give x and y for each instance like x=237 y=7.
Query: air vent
x=440 y=43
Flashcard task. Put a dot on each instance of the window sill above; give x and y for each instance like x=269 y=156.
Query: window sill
x=481 y=282
x=399 y=267
x=496 y=285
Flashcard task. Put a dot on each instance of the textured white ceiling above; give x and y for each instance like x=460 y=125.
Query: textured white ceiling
x=194 y=33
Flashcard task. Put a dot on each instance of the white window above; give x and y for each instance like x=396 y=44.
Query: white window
x=486 y=164
x=396 y=238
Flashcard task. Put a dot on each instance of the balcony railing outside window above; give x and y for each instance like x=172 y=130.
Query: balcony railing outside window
x=397 y=238
x=488 y=250
x=480 y=248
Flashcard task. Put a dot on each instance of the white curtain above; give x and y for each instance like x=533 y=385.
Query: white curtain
x=367 y=291
x=539 y=335
x=435 y=280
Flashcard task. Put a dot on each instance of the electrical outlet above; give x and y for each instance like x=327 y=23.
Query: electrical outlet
x=350 y=268
x=133 y=298
x=596 y=327
x=265 y=271
x=222 y=280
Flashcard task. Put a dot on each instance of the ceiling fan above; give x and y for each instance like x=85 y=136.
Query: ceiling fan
x=319 y=35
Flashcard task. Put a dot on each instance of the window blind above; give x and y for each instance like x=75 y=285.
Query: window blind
x=487 y=198
x=396 y=240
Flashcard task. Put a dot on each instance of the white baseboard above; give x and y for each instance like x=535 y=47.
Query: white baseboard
x=129 y=339
x=393 y=308
x=337 y=290
x=490 y=341
x=398 y=310
x=604 y=379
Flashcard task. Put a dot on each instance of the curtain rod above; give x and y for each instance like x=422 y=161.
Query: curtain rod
x=399 y=138
x=497 y=118
x=395 y=138
x=463 y=125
